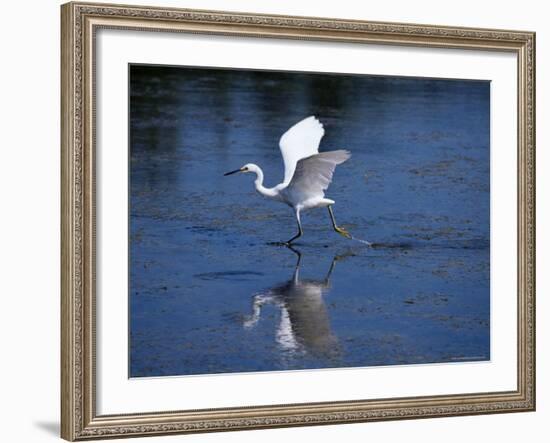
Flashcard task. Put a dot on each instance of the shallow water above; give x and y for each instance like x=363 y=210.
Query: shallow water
x=207 y=292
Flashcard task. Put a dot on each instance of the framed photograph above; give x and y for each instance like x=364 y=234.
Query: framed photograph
x=282 y=221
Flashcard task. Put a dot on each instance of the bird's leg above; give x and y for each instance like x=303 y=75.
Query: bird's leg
x=340 y=231
x=296 y=275
x=300 y=232
x=335 y=259
x=329 y=273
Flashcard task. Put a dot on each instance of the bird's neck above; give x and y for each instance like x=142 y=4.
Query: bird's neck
x=259 y=184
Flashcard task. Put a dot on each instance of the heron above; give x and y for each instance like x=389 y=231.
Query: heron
x=304 y=318
x=308 y=172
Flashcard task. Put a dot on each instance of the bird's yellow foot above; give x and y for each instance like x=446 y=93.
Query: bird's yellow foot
x=342 y=232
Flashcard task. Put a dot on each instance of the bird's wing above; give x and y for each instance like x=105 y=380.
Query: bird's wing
x=314 y=174
x=300 y=141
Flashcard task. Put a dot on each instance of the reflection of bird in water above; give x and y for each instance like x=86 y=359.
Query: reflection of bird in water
x=304 y=324
x=308 y=172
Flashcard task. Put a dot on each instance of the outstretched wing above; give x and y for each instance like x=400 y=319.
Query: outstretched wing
x=300 y=141
x=314 y=174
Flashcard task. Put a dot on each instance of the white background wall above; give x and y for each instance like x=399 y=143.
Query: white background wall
x=29 y=221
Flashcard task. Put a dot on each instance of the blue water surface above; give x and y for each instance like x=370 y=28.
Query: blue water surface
x=208 y=294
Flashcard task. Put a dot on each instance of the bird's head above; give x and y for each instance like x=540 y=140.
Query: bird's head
x=249 y=167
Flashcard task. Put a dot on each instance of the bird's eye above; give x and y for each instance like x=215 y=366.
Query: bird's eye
x=245 y=169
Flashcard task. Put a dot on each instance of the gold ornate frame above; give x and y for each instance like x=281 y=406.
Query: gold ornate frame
x=79 y=23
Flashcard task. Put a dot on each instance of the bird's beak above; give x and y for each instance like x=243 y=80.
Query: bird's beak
x=233 y=172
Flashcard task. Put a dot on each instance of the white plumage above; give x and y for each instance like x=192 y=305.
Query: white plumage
x=313 y=176
x=300 y=141
x=308 y=173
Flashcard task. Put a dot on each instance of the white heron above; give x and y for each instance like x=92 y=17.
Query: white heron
x=308 y=172
x=304 y=322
